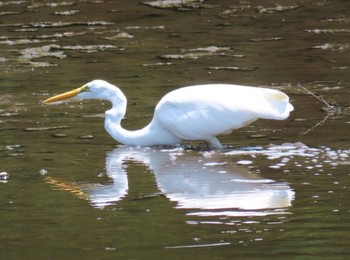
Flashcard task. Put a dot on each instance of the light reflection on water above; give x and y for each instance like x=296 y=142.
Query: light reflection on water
x=211 y=188
x=200 y=183
x=204 y=183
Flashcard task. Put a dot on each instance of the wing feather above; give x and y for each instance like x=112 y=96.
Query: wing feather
x=204 y=111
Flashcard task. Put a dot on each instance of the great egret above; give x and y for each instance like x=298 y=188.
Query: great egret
x=198 y=112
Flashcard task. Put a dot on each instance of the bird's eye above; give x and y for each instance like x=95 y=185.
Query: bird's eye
x=86 y=88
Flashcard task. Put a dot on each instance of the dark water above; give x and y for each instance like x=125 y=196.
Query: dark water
x=280 y=189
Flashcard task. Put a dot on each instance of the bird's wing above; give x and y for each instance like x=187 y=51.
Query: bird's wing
x=204 y=111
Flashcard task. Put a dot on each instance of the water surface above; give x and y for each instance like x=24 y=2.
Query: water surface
x=279 y=189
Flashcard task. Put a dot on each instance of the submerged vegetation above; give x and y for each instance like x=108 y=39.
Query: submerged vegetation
x=331 y=110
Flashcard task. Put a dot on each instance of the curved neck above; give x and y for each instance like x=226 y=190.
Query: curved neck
x=113 y=120
x=150 y=135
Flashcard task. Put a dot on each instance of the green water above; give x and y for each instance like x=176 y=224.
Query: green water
x=279 y=190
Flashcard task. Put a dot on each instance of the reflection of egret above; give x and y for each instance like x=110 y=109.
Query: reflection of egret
x=193 y=181
x=192 y=113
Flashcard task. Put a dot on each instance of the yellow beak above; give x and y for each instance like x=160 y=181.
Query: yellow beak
x=66 y=95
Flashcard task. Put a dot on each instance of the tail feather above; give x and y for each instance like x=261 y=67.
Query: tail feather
x=276 y=106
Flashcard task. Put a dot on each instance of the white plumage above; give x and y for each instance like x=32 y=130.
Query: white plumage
x=198 y=112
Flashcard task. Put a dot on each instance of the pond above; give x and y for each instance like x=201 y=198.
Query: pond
x=278 y=189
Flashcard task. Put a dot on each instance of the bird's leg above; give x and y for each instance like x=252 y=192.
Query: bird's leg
x=214 y=143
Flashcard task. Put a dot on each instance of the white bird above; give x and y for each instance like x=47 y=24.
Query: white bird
x=198 y=112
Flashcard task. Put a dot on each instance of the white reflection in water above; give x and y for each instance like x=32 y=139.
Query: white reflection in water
x=194 y=181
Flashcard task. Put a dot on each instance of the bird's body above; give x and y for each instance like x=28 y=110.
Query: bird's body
x=198 y=112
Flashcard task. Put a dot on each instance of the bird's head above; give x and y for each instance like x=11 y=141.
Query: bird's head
x=96 y=89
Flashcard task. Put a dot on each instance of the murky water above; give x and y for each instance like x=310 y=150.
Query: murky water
x=280 y=189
